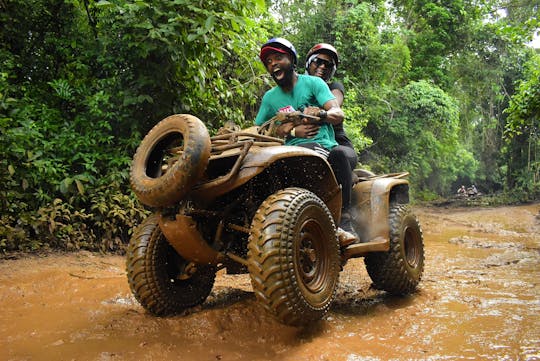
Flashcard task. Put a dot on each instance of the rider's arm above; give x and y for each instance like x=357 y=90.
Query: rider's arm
x=339 y=96
x=306 y=130
x=332 y=113
x=338 y=90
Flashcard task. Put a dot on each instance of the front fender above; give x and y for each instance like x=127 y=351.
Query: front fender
x=371 y=205
x=289 y=166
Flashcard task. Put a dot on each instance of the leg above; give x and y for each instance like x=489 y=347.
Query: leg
x=352 y=157
x=342 y=170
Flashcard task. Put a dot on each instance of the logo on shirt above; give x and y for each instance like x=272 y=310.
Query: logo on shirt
x=287 y=109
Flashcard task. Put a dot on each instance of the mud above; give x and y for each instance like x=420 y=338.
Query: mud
x=479 y=299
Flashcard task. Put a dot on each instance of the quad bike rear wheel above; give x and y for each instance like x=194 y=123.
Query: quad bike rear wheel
x=293 y=256
x=171 y=158
x=399 y=270
x=160 y=279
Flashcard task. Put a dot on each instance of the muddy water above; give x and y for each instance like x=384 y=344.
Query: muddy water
x=479 y=299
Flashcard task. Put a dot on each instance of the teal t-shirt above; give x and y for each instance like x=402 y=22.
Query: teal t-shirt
x=308 y=91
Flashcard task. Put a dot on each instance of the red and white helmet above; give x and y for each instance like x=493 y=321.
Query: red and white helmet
x=325 y=49
x=280 y=45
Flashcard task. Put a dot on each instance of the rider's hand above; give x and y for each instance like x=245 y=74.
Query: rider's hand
x=314 y=111
x=306 y=130
x=284 y=129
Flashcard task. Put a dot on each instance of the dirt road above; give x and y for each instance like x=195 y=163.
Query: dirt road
x=479 y=299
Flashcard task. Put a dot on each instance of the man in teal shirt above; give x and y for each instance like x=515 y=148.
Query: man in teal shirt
x=308 y=94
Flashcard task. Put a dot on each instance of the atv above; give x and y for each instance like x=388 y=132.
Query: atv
x=245 y=202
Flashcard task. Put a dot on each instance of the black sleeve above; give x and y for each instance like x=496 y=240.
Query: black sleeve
x=338 y=86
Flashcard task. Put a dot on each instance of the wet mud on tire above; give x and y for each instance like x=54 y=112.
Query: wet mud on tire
x=293 y=256
x=161 y=280
x=478 y=300
x=399 y=270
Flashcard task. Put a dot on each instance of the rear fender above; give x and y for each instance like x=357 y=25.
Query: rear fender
x=371 y=202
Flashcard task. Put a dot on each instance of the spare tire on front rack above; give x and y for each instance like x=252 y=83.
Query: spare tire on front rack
x=170 y=160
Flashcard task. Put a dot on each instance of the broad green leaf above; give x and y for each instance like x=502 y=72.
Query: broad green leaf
x=80 y=186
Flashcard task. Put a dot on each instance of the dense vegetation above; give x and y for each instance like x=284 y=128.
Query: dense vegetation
x=447 y=90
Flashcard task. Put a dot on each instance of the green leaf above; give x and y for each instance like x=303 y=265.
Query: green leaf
x=80 y=186
x=65 y=184
x=209 y=22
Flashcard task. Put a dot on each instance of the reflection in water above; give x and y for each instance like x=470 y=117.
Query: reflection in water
x=479 y=299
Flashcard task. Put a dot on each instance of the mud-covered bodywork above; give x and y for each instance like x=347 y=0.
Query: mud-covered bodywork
x=371 y=201
x=225 y=201
x=267 y=169
x=252 y=204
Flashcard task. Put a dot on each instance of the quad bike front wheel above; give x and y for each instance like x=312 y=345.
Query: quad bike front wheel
x=160 y=279
x=399 y=270
x=171 y=158
x=293 y=256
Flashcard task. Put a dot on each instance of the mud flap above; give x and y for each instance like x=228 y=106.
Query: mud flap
x=183 y=236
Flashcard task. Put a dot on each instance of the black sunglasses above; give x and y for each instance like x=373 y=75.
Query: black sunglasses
x=318 y=62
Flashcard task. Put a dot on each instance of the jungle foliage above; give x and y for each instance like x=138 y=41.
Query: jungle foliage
x=82 y=81
x=467 y=61
x=446 y=90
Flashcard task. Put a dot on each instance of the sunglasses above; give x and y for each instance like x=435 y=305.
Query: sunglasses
x=328 y=64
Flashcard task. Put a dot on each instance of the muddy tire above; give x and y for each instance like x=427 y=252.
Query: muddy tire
x=183 y=139
x=160 y=279
x=293 y=256
x=399 y=270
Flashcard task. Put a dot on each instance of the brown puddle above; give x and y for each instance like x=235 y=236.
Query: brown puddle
x=479 y=299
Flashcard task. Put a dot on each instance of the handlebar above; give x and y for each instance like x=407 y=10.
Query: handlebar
x=297 y=118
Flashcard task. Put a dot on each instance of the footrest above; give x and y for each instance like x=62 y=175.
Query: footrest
x=378 y=244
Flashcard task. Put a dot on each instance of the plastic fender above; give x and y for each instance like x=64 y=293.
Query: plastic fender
x=261 y=158
x=372 y=205
x=182 y=234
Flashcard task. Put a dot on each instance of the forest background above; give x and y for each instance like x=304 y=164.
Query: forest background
x=448 y=90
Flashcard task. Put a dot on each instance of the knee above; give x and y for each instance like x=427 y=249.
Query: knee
x=338 y=153
x=339 y=158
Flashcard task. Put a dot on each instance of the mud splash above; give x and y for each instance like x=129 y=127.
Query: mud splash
x=479 y=299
